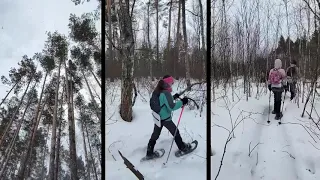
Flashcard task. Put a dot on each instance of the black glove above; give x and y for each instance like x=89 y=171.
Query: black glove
x=176 y=96
x=269 y=87
x=184 y=100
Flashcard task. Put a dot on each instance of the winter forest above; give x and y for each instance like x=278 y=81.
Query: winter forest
x=247 y=36
x=50 y=125
x=56 y=74
x=146 y=40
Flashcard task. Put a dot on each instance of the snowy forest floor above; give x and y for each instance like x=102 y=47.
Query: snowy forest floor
x=131 y=138
x=259 y=150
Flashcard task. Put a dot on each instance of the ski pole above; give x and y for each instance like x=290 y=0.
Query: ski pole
x=269 y=107
x=175 y=132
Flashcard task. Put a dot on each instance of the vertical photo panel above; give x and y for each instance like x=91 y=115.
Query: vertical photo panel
x=265 y=58
x=50 y=111
x=156 y=91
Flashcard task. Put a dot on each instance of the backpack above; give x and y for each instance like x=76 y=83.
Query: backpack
x=292 y=71
x=155 y=103
x=275 y=76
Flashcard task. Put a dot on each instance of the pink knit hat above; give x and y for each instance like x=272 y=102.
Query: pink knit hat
x=169 y=81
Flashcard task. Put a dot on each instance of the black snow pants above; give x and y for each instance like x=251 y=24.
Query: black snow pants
x=292 y=88
x=277 y=92
x=157 y=131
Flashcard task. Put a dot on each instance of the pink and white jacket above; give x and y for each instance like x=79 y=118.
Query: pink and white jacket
x=278 y=65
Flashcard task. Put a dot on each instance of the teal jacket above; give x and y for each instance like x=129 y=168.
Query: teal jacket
x=167 y=104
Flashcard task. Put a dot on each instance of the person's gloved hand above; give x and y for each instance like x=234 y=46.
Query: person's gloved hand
x=184 y=100
x=176 y=96
x=269 y=87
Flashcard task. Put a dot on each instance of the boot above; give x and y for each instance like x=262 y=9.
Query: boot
x=278 y=116
x=150 y=148
x=187 y=147
x=273 y=112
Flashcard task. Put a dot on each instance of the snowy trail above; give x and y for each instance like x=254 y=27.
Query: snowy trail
x=131 y=140
x=289 y=151
x=275 y=154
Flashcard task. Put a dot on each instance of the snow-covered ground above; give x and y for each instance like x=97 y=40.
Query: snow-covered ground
x=290 y=151
x=131 y=140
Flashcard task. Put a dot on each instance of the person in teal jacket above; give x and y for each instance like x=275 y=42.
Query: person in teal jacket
x=167 y=106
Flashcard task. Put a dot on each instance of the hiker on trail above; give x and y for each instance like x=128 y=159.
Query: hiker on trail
x=292 y=78
x=277 y=81
x=162 y=98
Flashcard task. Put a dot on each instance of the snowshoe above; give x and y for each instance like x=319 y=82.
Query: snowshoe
x=155 y=155
x=189 y=148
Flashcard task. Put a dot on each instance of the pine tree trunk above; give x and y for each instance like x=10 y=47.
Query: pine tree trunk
x=14 y=114
x=72 y=136
x=92 y=97
x=169 y=28
x=43 y=171
x=33 y=133
x=157 y=29
x=38 y=119
x=56 y=175
x=8 y=154
x=54 y=127
x=127 y=53
x=213 y=55
x=92 y=158
x=95 y=77
x=185 y=38
x=149 y=42
x=203 y=45
x=9 y=150
x=85 y=151
x=178 y=38
x=110 y=32
x=8 y=93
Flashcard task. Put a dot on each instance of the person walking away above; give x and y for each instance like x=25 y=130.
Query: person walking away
x=164 y=101
x=292 y=78
x=277 y=80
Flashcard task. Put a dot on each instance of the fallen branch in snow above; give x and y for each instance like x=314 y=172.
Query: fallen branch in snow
x=224 y=152
x=290 y=155
x=250 y=150
x=131 y=167
x=303 y=127
x=110 y=118
x=234 y=126
x=214 y=124
x=230 y=115
x=312 y=119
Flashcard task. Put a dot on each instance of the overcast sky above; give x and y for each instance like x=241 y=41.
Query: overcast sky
x=23 y=26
